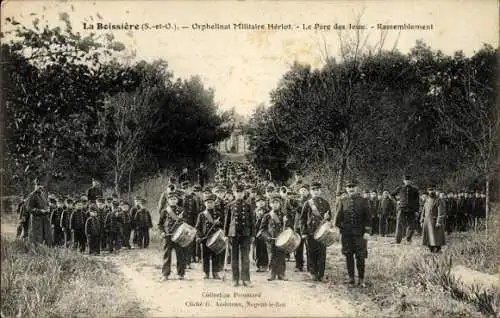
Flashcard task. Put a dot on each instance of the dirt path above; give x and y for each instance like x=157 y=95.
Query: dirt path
x=297 y=297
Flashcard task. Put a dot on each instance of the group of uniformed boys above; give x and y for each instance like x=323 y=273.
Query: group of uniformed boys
x=86 y=224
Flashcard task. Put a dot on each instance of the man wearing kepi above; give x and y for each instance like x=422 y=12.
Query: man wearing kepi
x=315 y=212
x=170 y=219
x=353 y=220
x=432 y=221
x=37 y=206
x=239 y=227
x=409 y=205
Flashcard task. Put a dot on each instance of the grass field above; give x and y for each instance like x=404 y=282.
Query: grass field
x=37 y=281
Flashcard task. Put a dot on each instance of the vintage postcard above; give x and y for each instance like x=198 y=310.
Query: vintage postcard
x=250 y=158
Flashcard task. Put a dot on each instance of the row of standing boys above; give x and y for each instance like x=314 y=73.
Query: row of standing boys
x=88 y=222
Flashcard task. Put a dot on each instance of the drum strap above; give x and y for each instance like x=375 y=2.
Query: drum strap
x=275 y=218
x=171 y=213
x=208 y=216
x=314 y=208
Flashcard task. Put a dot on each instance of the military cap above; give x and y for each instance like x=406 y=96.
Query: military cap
x=185 y=184
x=124 y=202
x=229 y=191
x=270 y=188
x=171 y=188
x=219 y=188
x=69 y=200
x=292 y=193
x=239 y=188
x=431 y=186
x=315 y=185
x=207 y=190
x=109 y=199
x=115 y=203
x=304 y=186
x=100 y=199
x=93 y=207
x=197 y=187
x=173 y=194
x=275 y=197
x=407 y=177
x=260 y=198
x=352 y=183
x=83 y=198
x=172 y=180
x=52 y=200
x=211 y=197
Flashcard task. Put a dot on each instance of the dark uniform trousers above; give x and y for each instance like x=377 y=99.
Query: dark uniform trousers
x=142 y=237
x=40 y=230
x=405 y=223
x=209 y=256
x=354 y=246
x=167 y=257
x=240 y=246
x=278 y=260
x=67 y=237
x=316 y=256
x=79 y=239
x=114 y=242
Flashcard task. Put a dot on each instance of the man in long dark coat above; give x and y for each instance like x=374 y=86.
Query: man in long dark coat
x=37 y=206
x=432 y=221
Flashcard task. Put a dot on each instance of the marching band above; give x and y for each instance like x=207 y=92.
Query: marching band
x=243 y=216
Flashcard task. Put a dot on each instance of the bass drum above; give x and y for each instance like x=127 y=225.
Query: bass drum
x=288 y=241
x=217 y=242
x=184 y=235
x=326 y=234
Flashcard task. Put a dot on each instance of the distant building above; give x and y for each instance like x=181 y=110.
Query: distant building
x=238 y=142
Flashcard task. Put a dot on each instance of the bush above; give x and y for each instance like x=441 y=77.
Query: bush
x=37 y=281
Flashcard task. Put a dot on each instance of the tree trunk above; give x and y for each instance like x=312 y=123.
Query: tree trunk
x=340 y=175
x=117 y=182
x=487 y=202
x=130 y=183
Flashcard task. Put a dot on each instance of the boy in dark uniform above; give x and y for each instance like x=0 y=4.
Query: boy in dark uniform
x=65 y=219
x=101 y=216
x=315 y=211
x=93 y=231
x=207 y=223
x=273 y=223
x=260 y=247
x=143 y=222
x=55 y=221
x=112 y=226
x=77 y=225
x=171 y=218
x=126 y=224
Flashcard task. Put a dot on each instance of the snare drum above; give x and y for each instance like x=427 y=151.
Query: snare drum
x=326 y=234
x=217 y=242
x=184 y=235
x=288 y=241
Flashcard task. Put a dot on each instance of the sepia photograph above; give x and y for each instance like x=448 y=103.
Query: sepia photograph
x=323 y=158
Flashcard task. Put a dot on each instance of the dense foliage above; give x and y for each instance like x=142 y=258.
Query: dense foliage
x=74 y=108
x=380 y=115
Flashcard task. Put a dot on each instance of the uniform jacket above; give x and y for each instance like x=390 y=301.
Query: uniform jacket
x=93 y=193
x=92 y=226
x=36 y=202
x=55 y=216
x=65 y=218
x=77 y=220
x=374 y=207
x=167 y=223
x=112 y=222
x=353 y=216
x=387 y=207
x=191 y=208
x=274 y=225
x=208 y=222
x=259 y=214
x=239 y=219
x=311 y=221
x=143 y=219
x=409 y=197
